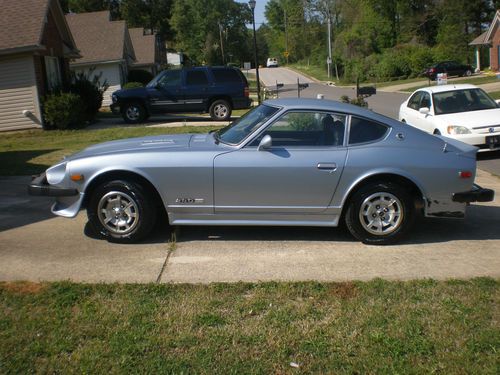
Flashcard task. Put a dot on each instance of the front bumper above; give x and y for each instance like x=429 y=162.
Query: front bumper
x=476 y=194
x=40 y=187
x=485 y=141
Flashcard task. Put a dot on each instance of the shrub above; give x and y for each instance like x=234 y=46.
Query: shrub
x=90 y=91
x=359 y=101
x=63 y=111
x=139 y=75
x=132 y=85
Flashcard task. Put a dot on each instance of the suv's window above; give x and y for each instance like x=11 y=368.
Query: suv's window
x=170 y=78
x=363 y=130
x=226 y=75
x=306 y=129
x=414 y=101
x=196 y=77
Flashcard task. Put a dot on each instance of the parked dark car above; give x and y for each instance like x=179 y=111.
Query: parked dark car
x=453 y=68
x=216 y=90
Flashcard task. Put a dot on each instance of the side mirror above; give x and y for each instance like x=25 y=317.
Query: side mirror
x=498 y=101
x=265 y=143
x=424 y=110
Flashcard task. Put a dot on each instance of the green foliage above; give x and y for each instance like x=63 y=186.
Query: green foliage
x=302 y=121
x=132 y=85
x=88 y=86
x=140 y=75
x=63 y=111
x=359 y=101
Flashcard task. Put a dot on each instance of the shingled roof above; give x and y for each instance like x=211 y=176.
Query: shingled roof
x=22 y=24
x=144 y=46
x=99 y=39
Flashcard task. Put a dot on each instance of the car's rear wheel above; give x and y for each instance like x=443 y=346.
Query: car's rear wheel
x=380 y=213
x=133 y=113
x=468 y=73
x=121 y=211
x=220 y=110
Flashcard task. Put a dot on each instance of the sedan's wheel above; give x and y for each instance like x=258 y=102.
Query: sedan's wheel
x=121 y=211
x=380 y=213
x=134 y=113
x=220 y=110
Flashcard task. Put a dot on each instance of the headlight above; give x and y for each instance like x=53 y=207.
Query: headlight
x=454 y=129
x=114 y=98
x=56 y=174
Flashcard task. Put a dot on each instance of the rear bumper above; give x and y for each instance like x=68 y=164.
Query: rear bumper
x=476 y=194
x=40 y=187
x=242 y=103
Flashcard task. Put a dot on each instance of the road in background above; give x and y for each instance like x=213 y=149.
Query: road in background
x=385 y=103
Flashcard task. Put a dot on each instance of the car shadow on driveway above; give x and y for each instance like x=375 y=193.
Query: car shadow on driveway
x=481 y=223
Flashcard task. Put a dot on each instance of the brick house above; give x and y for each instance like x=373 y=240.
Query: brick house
x=490 y=38
x=35 y=48
x=105 y=46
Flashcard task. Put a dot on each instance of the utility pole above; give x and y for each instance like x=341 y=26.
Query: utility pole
x=221 y=44
x=329 y=60
x=286 y=39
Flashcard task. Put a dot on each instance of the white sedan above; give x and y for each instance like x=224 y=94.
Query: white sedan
x=463 y=112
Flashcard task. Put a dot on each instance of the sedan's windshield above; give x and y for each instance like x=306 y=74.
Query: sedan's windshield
x=245 y=125
x=462 y=101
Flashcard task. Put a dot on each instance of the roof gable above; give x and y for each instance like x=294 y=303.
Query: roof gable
x=23 y=23
x=494 y=25
x=98 y=38
x=144 y=46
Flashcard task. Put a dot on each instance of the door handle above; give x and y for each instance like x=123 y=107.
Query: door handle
x=327 y=166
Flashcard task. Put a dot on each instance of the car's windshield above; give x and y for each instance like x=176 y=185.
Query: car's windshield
x=462 y=101
x=245 y=125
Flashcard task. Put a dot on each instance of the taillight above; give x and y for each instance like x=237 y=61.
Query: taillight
x=432 y=70
x=465 y=174
x=246 y=91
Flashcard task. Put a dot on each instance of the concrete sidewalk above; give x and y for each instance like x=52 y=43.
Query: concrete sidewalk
x=43 y=247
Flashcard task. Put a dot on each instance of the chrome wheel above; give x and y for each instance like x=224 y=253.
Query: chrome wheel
x=133 y=113
x=118 y=212
x=220 y=111
x=381 y=213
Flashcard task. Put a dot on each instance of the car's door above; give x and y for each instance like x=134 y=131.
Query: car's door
x=424 y=121
x=298 y=174
x=166 y=96
x=196 y=89
x=410 y=112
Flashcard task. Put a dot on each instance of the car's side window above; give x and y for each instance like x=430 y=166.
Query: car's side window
x=414 y=101
x=171 y=78
x=363 y=130
x=306 y=129
x=426 y=101
x=196 y=77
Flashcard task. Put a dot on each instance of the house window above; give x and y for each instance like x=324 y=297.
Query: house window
x=53 y=71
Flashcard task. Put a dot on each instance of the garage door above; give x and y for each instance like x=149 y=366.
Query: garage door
x=18 y=93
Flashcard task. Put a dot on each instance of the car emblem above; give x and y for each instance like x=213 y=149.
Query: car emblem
x=491 y=130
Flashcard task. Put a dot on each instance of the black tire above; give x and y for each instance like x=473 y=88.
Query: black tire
x=135 y=213
x=133 y=113
x=220 y=110
x=468 y=73
x=364 y=204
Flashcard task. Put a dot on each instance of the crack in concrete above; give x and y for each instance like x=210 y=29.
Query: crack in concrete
x=171 y=248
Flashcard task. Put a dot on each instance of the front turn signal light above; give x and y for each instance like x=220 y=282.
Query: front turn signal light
x=76 y=177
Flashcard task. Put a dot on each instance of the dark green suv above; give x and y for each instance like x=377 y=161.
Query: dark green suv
x=216 y=90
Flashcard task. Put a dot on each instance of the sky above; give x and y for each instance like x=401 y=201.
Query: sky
x=259 y=11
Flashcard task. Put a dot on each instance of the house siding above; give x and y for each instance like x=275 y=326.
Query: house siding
x=110 y=73
x=18 y=92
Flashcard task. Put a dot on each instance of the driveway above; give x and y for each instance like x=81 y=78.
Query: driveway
x=36 y=246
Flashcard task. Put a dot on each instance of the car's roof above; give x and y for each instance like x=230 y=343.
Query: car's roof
x=443 y=88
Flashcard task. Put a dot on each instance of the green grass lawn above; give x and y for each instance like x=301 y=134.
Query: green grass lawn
x=472 y=81
x=30 y=152
x=495 y=95
x=378 y=327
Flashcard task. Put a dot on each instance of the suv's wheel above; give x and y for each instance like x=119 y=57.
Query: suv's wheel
x=380 y=213
x=220 y=110
x=133 y=113
x=121 y=211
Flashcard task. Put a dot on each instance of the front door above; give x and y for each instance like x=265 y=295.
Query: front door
x=297 y=175
x=167 y=95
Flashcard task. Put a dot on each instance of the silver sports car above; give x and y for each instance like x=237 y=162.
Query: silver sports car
x=287 y=162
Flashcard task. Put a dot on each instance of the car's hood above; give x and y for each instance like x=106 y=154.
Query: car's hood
x=472 y=119
x=176 y=142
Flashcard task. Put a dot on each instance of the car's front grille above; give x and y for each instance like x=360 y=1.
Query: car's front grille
x=486 y=129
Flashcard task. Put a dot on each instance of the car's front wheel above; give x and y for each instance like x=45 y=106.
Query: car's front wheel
x=134 y=113
x=121 y=211
x=220 y=110
x=380 y=213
